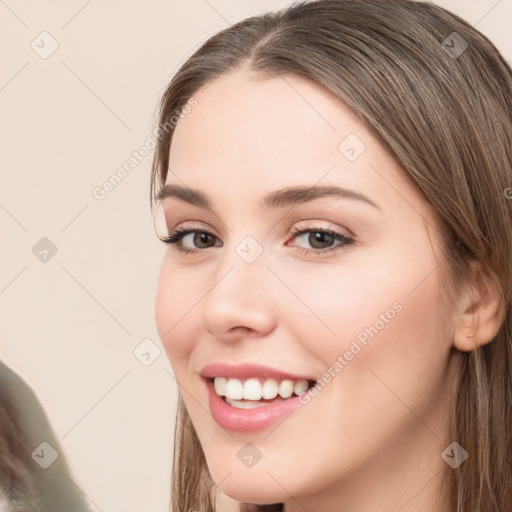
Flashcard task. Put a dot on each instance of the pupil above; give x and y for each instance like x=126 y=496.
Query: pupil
x=320 y=237
x=201 y=238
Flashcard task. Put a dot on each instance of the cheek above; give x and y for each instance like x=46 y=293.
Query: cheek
x=341 y=305
x=387 y=303
x=175 y=311
x=389 y=347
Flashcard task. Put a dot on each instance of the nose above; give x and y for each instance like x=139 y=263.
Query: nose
x=240 y=302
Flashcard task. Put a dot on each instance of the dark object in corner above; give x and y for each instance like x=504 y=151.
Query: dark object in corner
x=25 y=486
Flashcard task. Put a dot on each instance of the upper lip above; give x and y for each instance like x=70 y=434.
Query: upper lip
x=248 y=370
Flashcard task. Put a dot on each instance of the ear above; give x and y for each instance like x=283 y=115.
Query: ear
x=480 y=311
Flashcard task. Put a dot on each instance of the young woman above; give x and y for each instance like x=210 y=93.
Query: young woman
x=335 y=299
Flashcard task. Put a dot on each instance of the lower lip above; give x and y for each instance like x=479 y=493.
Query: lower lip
x=248 y=420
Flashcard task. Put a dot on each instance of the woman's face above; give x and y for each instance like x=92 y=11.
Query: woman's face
x=365 y=316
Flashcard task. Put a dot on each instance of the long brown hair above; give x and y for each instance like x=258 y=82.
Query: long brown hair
x=437 y=94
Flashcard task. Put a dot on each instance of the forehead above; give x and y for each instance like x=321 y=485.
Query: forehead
x=241 y=116
x=250 y=134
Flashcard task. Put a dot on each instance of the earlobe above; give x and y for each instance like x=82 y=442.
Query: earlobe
x=481 y=312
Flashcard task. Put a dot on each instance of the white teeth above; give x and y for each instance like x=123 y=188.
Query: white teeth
x=234 y=389
x=220 y=385
x=269 y=389
x=300 y=387
x=252 y=389
x=249 y=404
x=286 y=388
x=255 y=389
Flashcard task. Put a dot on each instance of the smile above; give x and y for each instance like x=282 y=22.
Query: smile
x=256 y=392
x=249 y=398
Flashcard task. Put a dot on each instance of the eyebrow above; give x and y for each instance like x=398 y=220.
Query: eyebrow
x=285 y=197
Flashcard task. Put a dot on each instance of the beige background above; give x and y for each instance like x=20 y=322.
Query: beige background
x=67 y=123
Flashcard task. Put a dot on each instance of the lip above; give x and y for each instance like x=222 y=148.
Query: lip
x=248 y=420
x=248 y=370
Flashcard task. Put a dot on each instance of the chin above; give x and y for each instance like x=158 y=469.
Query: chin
x=249 y=488
x=255 y=495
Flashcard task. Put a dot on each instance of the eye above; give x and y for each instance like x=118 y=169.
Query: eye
x=321 y=240
x=200 y=239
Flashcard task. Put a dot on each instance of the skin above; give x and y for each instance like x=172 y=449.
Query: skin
x=372 y=438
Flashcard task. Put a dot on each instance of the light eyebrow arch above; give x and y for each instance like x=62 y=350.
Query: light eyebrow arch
x=278 y=199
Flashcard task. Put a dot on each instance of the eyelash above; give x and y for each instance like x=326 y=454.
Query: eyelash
x=176 y=235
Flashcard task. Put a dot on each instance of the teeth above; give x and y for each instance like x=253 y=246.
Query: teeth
x=255 y=389
x=301 y=386
x=252 y=389
x=220 y=385
x=248 y=404
x=269 y=389
x=286 y=388
x=234 y=389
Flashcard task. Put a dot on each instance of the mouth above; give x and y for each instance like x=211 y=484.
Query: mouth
x=247 y=415
x=250 y=398
x=258 y=391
